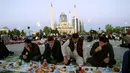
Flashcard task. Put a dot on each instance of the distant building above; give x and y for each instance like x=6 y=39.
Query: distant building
x=4 y=29
x=52 y=17
x=63 y=17
x=64 y=27
x=79 y=24
x=55 y=25
x=73 y=23
x=82 y=26
x=126 y=29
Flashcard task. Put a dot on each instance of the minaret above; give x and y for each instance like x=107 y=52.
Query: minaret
x=52 y=17
x=75 y=29
x=69 y=18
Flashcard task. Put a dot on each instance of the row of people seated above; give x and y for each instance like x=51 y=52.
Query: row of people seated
x=101 y=52
x=52 y=52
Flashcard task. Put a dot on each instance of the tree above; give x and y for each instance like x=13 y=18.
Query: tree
x=9 y=32
x=83 y=32
x=6 y=28
x=37 y=33
x=93 y=32
x=16 y=32
x=118 y=29
x=22 y=33
x=109 y=28
x=47 y=30
x=56 y=31
x=3 y=32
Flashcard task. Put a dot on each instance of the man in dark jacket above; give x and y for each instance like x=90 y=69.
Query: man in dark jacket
x=31 y=51
x=126 y=62
x=102 y=53
x=52 y=51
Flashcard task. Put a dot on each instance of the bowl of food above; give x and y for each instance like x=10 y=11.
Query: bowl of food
x=63 y=70
x=97 y=71
x=38 y=70
x=115 y=69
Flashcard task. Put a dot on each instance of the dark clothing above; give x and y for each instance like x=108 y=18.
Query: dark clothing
x=79 y=46
x=53 y=55
x=41 y=34
x=129 y=46
x=98 y=57
x=126 y=62
x=33 y=54
x=89 y=39
x=4 y=52
x=126 y=40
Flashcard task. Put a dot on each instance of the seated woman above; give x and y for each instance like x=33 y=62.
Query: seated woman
x=31 y=51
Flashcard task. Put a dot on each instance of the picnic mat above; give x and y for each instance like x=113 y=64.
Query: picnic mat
x=10 y=72
x=11 y=59
x=14 y=59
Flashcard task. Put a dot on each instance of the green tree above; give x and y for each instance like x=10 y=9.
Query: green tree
x=37 y=33
x=3 y=32
x=10 y=32
x=92 y=32
x=83 y=32
x=109 y=28
x=56 y=31
x=5 y=28
x=47 y=30
x=16 y=32
x=22 y=33
x=118 y=29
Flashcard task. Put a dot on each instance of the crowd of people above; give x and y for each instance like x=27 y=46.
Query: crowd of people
x=73 y=47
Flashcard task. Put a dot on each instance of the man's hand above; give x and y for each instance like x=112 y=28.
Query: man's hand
x=24 y=56
x=65 y=60
x=98 y=49
x=106 y=60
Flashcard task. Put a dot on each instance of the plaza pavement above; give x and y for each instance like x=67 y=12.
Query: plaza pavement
x=119 y=51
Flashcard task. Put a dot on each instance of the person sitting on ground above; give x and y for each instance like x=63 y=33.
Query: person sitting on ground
x=31 y=51
x=4 y=52
x=52 y=51
x=126 y=62
x=126 y=40
x=75 y=48
x=102 y=53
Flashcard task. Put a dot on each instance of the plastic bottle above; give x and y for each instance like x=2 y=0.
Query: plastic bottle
x=22 y=61
x=39 y=63
x=19 y=62
x=45 y=64
x=71 y=65
x=108 y=69
x=120 y=70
